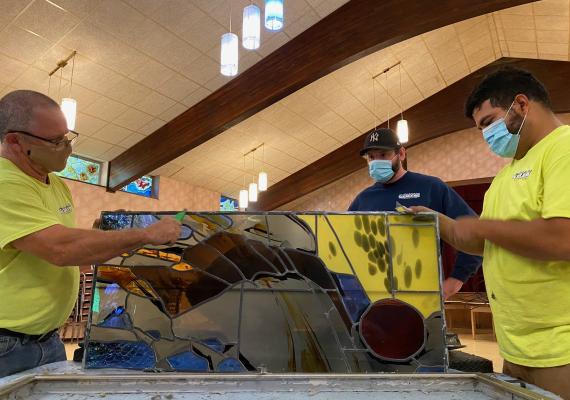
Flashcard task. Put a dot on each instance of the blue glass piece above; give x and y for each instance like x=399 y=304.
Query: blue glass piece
x=353 y=295
x=115 y=222
x=185 y=233
x=117 y=319
x=228 y=204
x=430 y=370
x=144 y=220
x=188 y=362
x=214 y=344
x=230 y=365
x=155 y=334
x=129 y=355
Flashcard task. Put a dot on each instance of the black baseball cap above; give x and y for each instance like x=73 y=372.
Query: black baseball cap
x=382 y=139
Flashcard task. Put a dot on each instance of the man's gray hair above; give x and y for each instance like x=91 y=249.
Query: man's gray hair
x=17 y=110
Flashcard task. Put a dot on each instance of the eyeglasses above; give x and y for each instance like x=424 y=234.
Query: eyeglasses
x=68 y=139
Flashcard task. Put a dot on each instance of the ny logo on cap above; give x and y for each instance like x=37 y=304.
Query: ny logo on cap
x=374 y=137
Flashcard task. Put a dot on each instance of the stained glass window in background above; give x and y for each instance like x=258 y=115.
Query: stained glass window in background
x=142 y=186
x=228 y=204
x=82 y=169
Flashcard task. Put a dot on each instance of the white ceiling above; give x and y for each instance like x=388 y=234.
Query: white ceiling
x=340 y=107
x=143 y=62
x=140 y=63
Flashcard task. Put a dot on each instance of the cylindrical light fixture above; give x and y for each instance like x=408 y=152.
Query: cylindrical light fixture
x=262 y=181
x=274 y=14
x=243 y=199
x=253 y=192
x=402 y=131
x=69 y=109
x=251 y=29
x=229 y=54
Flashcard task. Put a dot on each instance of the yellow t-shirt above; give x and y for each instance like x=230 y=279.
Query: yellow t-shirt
x=530 y=299
x=35 y=296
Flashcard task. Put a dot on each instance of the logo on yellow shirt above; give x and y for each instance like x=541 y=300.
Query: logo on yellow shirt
x=522 y=174
x=65 y=210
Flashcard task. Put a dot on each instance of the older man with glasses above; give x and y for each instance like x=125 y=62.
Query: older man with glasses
x=39 y=246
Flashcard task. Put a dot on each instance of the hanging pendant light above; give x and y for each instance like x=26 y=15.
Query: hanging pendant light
x=253 y=185
x=69 y=109
x=402 y=128
x=243 y=194
x=402 y=131
x=243 y=199
x=274 y=14
x=262 y=180
x=229 y=54
x=251 y=29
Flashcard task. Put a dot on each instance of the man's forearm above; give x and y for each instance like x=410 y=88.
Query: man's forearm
x=546 y=240
x=86 y=247
x=446 y=229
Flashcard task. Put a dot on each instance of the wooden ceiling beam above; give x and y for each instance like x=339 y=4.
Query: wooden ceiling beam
x=357 y=29
x=438 y=115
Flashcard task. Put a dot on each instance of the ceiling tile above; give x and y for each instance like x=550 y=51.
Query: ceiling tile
x=90 y=147
x=49 y=60
x=167 y=170
x=132 y=119
x=106 y=109
x=151 y=127
x=47 y=20
x=525 y=9
x=112 y=153
x=308 y=19
x=155 y=104
x=10 y=69
x=9 y=10
x=521 y=35
x=82 y=95
x=202 y=70
x=132 y=140
x=173 y=112
x=80 y=8
x=117 y=18
x=88 y=125
x=152 y=74
x=177 y=87
x=94 y=76
x=326 y=7
x=217 y=82
x=523 y=47
x=202 y=31
x=196 y=96
x=111 y=133
x=38 y=80
x=22 y=45
x=128 y=91
x=104 y=49
x=179 y=55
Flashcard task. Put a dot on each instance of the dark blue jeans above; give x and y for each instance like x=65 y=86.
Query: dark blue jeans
x=19 y=354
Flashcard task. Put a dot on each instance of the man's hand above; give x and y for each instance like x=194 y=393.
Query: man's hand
x=450 y=287
x=165 y=231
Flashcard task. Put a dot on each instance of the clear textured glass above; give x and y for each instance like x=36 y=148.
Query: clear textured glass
x=229 y=54
x=274 y=14
x=251 y=30
x=69 y=109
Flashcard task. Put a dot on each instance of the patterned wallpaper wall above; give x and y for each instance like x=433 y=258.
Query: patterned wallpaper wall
x=174 y=195
x=458 y=156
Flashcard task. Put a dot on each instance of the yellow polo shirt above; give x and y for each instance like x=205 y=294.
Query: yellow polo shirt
x=530 y=299
x=35 y=296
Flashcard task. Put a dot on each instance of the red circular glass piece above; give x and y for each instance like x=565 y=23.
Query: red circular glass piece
x=392 y=330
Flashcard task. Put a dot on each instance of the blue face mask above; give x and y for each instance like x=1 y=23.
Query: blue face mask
x=501 y=141
x=380 y=170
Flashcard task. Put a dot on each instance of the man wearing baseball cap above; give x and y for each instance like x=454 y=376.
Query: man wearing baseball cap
x=384 y=154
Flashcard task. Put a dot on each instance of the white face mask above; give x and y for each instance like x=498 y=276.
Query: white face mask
x=51 y=158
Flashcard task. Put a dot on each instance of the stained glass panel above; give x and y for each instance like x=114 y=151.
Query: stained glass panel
x=82 y=169
x=228 y=204
x=142 y=186
x=276 y=292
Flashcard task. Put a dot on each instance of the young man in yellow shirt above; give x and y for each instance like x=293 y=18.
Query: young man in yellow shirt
x=39 y=246
x=524 y=230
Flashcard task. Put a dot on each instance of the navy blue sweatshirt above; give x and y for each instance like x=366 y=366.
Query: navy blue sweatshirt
x=415 y=189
